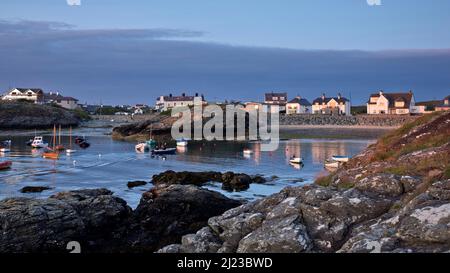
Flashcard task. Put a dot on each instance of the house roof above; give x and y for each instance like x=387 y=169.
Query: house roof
x=323 y=99
x=53 y=96
x=301 y=101
x=270 y=96
x=181 y=98
x=36 y=90
x=393 y=97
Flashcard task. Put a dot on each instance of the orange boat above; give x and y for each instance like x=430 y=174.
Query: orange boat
x=52 y=153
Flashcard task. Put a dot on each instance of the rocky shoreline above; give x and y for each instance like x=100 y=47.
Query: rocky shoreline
x=393 y=197
x=25 y=115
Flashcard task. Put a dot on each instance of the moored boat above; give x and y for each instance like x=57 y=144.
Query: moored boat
x=141 y=148
x=167 y=151
x=296 y=160
x=182 y=143
x=340 y=158
x=38 y=143
x=70 y=150
x=5 y=146
x=247 y=152
x=52 y=153
x=5 y=165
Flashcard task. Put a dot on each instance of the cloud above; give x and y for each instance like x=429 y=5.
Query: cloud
x=137 y=65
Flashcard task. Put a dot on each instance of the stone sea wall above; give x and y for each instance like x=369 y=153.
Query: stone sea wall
x=359 y=120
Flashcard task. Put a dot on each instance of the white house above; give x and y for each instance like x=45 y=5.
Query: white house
x=30 y=94
x=298 y=105
x=164 y=103
x=331 y=105
x=392 y=103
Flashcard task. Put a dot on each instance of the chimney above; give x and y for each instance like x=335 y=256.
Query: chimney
x=339 y=96
x=381 y=92
x=196 y=94
x=184 y=94
x=170 y=95
x=51 y=93
x=323 y=96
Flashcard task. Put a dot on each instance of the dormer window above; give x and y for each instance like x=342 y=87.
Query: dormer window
x=275 y=98
x=399 y=104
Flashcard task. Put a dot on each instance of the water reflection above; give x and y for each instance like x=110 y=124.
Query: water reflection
x=111 y=164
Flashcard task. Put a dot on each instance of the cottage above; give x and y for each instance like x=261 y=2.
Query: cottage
x=250 y=106
x=445 y=106
x=331 y=105
x=276 y=99
x=29 y=94
x=56 y=98
x=391 y=103
x=298 y=105
x=164 y=103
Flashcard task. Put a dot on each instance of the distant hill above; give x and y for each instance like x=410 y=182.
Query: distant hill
x=26 y=115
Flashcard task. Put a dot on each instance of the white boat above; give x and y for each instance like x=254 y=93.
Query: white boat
x=332 y=164
x=248 y=152
x=340 y=158
x=70 y=150
x=38 y=143
x=296 y=160
x=5 y=146
x=141 y=148
x=182 y=143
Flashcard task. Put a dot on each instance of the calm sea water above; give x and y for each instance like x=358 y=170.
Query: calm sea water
x=111 y=164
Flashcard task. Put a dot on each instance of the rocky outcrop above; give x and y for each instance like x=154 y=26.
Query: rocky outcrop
x=101 y=222
x=164 y=214
x=230 y=181
x=324 y=219
x=134 y=184
x=94 y=218
x=393 y=197
x=25 y=115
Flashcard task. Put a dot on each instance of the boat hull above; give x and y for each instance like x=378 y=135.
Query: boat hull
x=169 y=151
x=5 y=165
x=50 y=156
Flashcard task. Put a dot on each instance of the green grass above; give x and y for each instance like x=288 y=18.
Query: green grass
x=447 y=173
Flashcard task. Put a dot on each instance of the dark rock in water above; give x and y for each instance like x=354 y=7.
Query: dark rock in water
x=240 y=182
x=134 y=184
x=31 y=189
x=101 y=222
x=94 y=218
x=186 y=178
x=230 y=181
x=165 y=214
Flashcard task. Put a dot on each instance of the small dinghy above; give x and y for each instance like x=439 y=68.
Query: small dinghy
x=247 y=152
x=84 y=144
x=296 y=160
x=5 y=165
x=332 y=164
x=182 y=143
x=340 y=158
x=141 y=148
x=167 y=151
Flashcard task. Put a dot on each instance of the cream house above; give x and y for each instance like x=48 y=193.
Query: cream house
x=30 y=94
x=298 y=105
x=332 y=105
x=164 y=103
x=445 y=106
x=392 y=103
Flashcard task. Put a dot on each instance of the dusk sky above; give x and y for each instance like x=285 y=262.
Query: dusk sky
x=126 y=52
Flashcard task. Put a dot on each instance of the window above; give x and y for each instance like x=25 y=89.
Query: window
x=282 y=98
x=399 y=104
x=275 y=98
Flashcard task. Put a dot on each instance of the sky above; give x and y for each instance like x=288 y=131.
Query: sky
x=131 y=51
